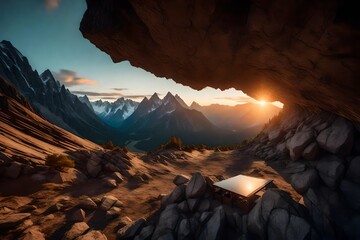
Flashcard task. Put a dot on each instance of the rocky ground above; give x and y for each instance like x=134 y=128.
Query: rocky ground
x=108 y=191
x=313 y=158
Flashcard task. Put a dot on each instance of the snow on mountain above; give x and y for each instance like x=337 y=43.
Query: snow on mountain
x=116 y=112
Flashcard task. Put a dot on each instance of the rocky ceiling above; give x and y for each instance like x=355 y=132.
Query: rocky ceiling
x=301 y=52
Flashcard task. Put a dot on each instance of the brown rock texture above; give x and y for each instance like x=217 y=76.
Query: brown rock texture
x=295 y=51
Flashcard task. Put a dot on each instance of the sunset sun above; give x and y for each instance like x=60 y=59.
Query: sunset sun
x=262 y=103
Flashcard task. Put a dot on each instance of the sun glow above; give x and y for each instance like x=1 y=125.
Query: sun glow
x=262 y=103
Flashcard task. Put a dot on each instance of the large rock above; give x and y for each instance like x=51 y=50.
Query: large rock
x=145 y=233
x=78 y=215
x=107 y=202
x=311 y=151
x=180 y=179
x=33 y=233
x=87 y=203
x=132 y=230
x=168 y=221
x=75 y=231
x=338 y=138
x=196 y=186
x=93 y=235
x=70 y=175
x=8 y=221
x=301 y=182
x=254 y=46
x=331 y=169
x=187 y=229
x=282 y=225
x=276 y=135
x=214 y=227
x=177 y=195
x=93 y=165
x=298 y=143
x=273 y=199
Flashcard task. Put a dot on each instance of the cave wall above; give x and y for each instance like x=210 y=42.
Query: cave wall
x=320 y=155
x=296 y=51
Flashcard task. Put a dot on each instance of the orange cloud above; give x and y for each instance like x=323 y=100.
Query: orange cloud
x=69 y=78
x=52 y=4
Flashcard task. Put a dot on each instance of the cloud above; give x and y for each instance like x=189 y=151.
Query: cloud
x=108 y=95
x=52 y=4
x=98 y=94
x=120 y=89
x=69 y=78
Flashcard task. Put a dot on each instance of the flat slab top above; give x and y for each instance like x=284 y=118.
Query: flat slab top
x=243 y=185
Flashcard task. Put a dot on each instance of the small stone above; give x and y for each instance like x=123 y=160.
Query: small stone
x=132 y=230
x=113 y=212
x=93 y=235
x=75 y=231
x=78 y=215
x=107 y=202
x=11 y=220
x=177 y=195
x=117 y=176
x=33 y=233
x=110 y=182
x=87 y=203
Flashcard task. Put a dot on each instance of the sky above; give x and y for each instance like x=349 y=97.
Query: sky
x=47 y=32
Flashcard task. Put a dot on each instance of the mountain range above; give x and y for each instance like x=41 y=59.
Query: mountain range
x=50 y=99
x=143 y=125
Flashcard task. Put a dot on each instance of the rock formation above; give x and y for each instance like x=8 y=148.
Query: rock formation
x=298 y=52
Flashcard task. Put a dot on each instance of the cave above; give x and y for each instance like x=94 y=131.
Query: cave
x=302 y=53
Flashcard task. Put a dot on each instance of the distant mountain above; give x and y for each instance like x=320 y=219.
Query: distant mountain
x=246 y=118
x=50 y=99
x=86 y=100
x=25 y=136
x=156 y=120
x=113 y=113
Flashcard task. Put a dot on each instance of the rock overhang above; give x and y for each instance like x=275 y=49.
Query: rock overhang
x=297 y=52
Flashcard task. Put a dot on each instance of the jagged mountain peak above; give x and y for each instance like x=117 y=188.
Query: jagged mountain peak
x=194 y=105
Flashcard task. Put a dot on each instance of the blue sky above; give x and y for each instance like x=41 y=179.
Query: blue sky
x=47 y=32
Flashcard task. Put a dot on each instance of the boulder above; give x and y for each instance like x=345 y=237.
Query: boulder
x=353 y=172
x=204 y=205
x=70 y=175
x=295 y=167
x=132 y=230
x=193 y=203
x=272 y=199
x=187 y=229
x=311 y=151
x=196 y=186
x=75 y=231
x=33 y=233
x=145 y=233
x=113 y=212
x=180 y=179
x=352 y=229
x=78 y=215
x=351 y=192
x=213 y=229
x=13 y=171
x=87 y=203
x=8 y=221
x=331 y=169
x=301 y=182
x=298 y=142
x=107 y=202
x=168 y=221
x=110 y=182
x=276 y=135
x=338 y=138
x=177 y=195
x=117 y=176
x=282 y=225
x=93 y=235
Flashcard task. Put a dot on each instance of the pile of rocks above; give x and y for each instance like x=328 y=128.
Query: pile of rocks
x=164 y=156
x=321 y=154
x=191 y=211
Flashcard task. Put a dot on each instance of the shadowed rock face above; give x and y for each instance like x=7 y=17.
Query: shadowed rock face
x=299 y=52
